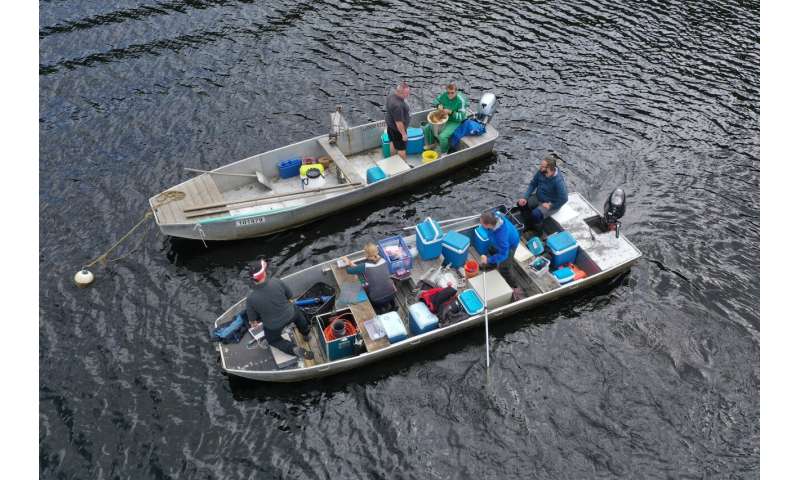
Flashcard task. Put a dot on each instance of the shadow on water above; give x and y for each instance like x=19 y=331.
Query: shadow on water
x=244 y=389
x=195 y=256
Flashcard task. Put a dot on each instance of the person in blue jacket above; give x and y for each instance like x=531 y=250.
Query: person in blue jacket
x=504 y=239
x=550 y=191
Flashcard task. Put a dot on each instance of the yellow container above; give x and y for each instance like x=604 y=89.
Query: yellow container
x=306 y=168
x=429 y=155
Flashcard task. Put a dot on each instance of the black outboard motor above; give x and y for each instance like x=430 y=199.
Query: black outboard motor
x=614 y=209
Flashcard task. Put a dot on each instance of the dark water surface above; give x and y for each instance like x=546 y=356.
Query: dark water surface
x=656 y=376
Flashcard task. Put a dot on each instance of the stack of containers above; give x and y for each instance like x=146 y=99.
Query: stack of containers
x=454 y=249
x=416 y=141
x=564 y=248
x=429 y=239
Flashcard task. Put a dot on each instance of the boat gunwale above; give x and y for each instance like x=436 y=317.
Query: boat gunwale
x=313 y=371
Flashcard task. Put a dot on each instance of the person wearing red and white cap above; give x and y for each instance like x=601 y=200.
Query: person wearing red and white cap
x=269 y=303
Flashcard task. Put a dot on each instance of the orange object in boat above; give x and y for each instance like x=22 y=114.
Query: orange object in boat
x=349 y=328
x=577 y=271
x=471 y=268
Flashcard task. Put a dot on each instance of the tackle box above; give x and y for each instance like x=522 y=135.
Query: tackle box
x=564 y=275
x=471 y=301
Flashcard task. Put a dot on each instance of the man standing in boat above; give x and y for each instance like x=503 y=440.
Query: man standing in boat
x=268 y=303
x=398 y=116
x=550 y=190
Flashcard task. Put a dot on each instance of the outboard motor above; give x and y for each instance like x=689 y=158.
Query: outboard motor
x=487 y=108
x=614 y=209
x=338 y=125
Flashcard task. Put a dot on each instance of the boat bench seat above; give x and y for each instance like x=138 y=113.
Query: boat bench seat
x=341 y=161
x=471 y=140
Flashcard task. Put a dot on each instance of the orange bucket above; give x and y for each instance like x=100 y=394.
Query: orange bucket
x=471 y=268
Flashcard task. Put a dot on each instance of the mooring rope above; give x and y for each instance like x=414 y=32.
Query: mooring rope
x=161 y=200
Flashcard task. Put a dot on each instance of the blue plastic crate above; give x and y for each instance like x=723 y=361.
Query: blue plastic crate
x=429 y=239
x=398 y=255
x=421 y=319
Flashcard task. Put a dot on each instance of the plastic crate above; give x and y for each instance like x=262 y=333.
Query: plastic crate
x=398 y=255
x=324 y=293
x=341 y=347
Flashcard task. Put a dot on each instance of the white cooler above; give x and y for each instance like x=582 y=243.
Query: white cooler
x=497 y=289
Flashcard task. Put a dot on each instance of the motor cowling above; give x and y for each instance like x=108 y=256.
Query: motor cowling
x=614 y=210
x=486 y=111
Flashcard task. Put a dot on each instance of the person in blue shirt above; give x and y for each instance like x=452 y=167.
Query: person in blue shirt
x=380 y=287
x=550 y=191
x=504 y=239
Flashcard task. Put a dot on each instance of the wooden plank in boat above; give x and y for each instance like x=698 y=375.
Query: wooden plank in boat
x=207 y=185
x=341 y=161
x=312 y=344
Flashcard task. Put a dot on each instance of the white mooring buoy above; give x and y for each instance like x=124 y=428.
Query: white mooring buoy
x=84 y=278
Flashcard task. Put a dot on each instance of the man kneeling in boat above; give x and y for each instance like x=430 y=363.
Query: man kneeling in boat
x=269 y=304
x=380 y=287
x=504 y=239
x=550 y=194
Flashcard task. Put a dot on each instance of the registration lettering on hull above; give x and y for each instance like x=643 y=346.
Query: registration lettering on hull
x=250 y=221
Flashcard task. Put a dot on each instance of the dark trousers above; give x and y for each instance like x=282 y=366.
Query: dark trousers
x=533 y=216
x=384 y=305
x=505 y=266
x=275 y=339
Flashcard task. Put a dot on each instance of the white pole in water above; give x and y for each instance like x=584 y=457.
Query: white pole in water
x=486 y=318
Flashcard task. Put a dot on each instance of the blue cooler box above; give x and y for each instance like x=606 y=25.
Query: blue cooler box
x=480 y=240
x=471 y=302
x=422 y=320
x=564 y=275
x=429 y=239
x=454 y=249
x=416 y=141
x=393 y=326
x=564 y=248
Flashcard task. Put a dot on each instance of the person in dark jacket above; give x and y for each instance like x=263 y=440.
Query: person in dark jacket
x=398 y=118
x=504 y=239
x=550 y=191
x=268 y=303
x=380 y=286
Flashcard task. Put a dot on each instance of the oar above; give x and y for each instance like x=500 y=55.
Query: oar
x=258 y=175
x=486 y=318
x=449 y=221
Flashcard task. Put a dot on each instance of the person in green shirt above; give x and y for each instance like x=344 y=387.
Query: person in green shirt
x=454 y=103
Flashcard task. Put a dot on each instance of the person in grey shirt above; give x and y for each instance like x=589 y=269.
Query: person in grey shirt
x=268 y=303
x=398 y=116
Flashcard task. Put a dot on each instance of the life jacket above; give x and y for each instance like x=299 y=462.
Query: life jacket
x=577 y=271
x=379 y=281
